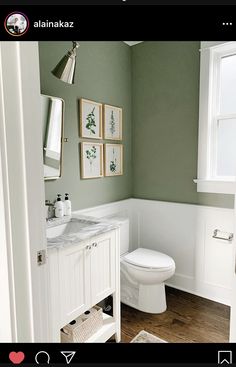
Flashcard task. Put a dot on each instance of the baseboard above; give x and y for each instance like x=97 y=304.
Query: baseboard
x=188 y=284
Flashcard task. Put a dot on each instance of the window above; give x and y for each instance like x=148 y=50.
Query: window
x=217 y=119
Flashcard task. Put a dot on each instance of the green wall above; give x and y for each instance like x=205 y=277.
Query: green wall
x=103 y=74
x=165 y=92
x=157 y=85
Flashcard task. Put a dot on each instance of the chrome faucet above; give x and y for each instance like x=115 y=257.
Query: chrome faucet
x=49 y=207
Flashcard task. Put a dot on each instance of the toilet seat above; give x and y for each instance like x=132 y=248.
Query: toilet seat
x=149 y=260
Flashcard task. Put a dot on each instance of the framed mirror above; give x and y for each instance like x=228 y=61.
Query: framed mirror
x=53 y=126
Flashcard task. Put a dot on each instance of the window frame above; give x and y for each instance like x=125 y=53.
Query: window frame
x=208 y=180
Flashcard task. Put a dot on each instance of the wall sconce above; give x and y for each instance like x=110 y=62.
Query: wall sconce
x=65 y=69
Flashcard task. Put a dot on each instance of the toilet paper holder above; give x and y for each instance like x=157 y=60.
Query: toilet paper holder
x=220 y=235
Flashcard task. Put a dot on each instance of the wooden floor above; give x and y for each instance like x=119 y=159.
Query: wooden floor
x=188 y=319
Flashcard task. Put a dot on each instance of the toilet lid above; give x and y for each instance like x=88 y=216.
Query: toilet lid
x=149 y=259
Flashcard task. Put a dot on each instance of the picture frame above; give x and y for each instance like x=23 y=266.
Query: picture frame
x=113 y=159
x=112 y=122
x=90 y=125
x=91 y=160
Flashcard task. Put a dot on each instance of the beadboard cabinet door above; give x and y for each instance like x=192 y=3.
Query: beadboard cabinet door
x=74 y=281
x=103 y=266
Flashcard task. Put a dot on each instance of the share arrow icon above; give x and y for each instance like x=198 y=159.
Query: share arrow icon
x=68 y=356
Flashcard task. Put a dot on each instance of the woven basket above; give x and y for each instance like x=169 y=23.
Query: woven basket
x=84 y=326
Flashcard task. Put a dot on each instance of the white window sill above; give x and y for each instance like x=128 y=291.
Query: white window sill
x=216 y=187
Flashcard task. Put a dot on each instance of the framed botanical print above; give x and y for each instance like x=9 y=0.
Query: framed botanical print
x=91 y=155
x=113 y=159
x=90 y=119
x=112 y=117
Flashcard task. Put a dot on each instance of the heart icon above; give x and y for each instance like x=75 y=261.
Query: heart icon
x=16 y=357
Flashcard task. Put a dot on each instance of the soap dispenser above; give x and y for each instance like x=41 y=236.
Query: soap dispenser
x=59 y=207
x=67 y=205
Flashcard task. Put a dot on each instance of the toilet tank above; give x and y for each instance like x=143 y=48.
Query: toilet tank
x=124 y=231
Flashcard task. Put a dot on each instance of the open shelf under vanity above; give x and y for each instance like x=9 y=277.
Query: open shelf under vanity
x=105 y=332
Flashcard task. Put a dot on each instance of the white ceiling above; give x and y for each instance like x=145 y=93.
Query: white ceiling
x=132 y=43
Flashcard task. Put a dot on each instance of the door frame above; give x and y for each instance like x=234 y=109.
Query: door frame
x=232 y=334
x=7 y=314
x=23 y=191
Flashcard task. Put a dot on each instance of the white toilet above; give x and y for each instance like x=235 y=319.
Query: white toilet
x=143 y=273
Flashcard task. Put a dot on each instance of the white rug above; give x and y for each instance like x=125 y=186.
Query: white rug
x=145 y=337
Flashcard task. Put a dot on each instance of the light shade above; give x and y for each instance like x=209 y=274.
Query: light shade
x=65 y=69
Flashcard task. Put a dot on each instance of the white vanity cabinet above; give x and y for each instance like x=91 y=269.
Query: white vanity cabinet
x=80 y=276
x=74 y=282
x=103 y=267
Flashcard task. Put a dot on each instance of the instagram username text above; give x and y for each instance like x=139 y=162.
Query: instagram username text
x=49 y=24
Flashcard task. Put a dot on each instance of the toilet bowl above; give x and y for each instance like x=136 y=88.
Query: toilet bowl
x=143 y=273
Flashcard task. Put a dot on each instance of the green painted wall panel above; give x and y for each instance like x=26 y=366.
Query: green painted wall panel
x=165 y=97
x=103 y=74
x=157 y=85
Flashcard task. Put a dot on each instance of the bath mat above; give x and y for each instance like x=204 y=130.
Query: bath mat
x=145 y=337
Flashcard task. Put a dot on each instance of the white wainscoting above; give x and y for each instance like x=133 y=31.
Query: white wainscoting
x=204 y=265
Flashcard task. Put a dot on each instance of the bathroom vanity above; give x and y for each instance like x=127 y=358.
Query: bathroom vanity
x=83 y=269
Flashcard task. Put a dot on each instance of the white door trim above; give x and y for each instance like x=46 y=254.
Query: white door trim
x=23 y=185
x=232 y=336
x=7 y=314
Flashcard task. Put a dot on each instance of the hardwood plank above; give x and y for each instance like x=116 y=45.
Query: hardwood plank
x=188 y=319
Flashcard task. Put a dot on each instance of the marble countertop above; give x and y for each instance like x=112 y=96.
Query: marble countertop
x=73 y=230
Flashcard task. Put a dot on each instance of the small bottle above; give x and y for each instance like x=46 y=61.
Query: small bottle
x=67 y=205
x=59 y=207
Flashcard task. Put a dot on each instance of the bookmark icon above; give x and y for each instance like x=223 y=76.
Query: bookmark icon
x=68 y=356
x=225 y=357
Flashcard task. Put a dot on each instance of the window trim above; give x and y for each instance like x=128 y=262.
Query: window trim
x=207 y=180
